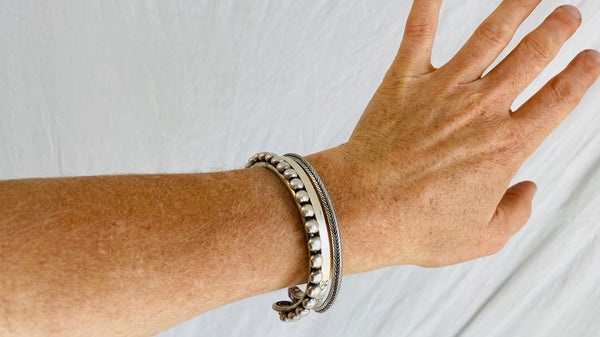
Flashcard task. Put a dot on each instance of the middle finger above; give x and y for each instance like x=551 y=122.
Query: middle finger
x=511 y=76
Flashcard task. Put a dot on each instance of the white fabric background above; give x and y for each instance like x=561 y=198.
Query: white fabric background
x=102 y=87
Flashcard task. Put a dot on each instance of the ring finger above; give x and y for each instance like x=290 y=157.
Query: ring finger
x=488 y=41
x=534 y=52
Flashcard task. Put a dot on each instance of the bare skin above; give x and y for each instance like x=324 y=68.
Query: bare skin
x=430 y=162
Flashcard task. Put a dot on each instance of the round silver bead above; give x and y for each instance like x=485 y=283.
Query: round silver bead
x=276 y=160
x=282 y=166
x=316 y=277
x=268 y=156
x=314 y=244
x=309 y=303
x=249 y=165
x=289 y=174
x=296 y=184
x=261 y=156
x=307 y=210
x=313 y=290
x=302 y=311
x=316 y=261
x=302 y=196
x=283 y=317
x=312 y=226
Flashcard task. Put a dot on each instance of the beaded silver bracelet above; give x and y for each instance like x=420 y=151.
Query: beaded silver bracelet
x=334 y=232
x=322 y=235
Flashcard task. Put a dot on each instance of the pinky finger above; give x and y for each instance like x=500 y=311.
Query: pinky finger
x=543 y=112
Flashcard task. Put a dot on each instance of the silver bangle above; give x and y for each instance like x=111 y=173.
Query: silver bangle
x=334 y=233
x=318 y=218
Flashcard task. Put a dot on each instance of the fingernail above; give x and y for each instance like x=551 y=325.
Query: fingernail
x=594 y=54
x=572 y=10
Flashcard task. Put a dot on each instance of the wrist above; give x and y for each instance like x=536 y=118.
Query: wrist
x=347 y=182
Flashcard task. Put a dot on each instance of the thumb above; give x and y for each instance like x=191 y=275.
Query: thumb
x=514 y=208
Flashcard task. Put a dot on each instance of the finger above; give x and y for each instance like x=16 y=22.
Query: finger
x=534 y=53
x=490 y=38
x=414 y=54
x=543 y=112
x=514 y=208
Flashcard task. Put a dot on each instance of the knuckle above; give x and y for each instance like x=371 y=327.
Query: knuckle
x=474 y=100
x=494 y=34
x=565 y=21
x=538 y=47
x=510 y=149
x=508 y=143
x=453 y=88
x=561 y=90
x=419 y=30
x=515 y=136
x=493 y=98
x=394 y=82
x=475 y=107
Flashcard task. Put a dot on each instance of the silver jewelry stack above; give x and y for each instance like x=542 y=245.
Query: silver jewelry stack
x=322 y=235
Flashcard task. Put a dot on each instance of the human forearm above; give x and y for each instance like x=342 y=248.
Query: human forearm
x=82 y=255
x=424 y=179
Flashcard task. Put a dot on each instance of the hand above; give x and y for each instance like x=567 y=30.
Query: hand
x=436 y=149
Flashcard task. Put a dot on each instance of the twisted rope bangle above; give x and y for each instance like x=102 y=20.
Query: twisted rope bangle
x=333 y=229
x=311 y=198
